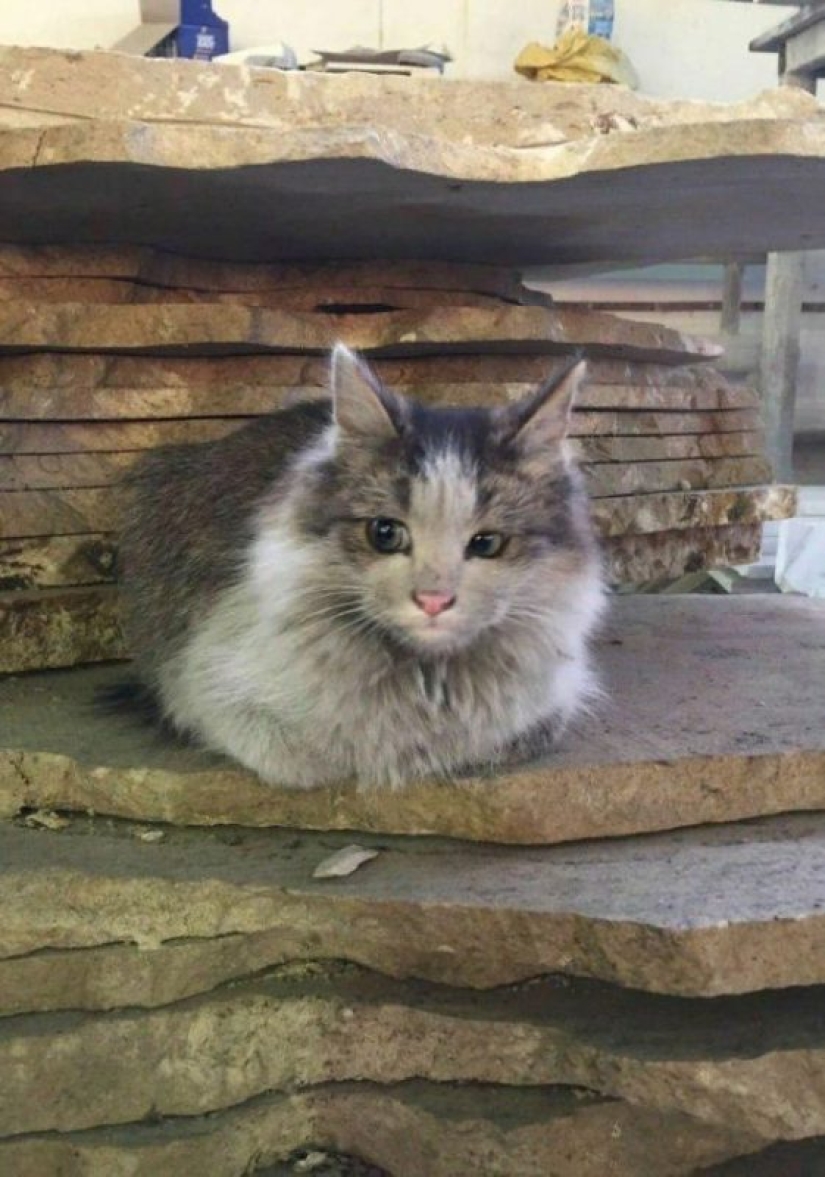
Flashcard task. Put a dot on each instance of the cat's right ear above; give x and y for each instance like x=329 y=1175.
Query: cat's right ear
x=363 y=409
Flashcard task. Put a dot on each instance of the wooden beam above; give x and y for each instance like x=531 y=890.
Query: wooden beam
x=784 y=285
x=779 y=364
x=732 y=298
x=795 y=28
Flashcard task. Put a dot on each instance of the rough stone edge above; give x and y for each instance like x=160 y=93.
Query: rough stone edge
x=194 y=1057
x=535 y=805
x=398 y=1130
x=218 y=148
x=156 y=328
x=327 y=926
x=239 y=94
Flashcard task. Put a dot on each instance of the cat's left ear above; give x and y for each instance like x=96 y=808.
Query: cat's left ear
x=363 y=408
x=542 y=419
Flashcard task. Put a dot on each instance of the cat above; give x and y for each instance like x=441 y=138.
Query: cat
x=364 y=587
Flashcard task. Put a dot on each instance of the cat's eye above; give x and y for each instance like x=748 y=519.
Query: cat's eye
x=486 y=545
x=388 y=536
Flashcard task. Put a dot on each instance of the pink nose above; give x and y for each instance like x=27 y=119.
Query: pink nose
x=434 y=603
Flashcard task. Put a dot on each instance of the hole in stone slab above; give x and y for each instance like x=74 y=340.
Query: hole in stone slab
x=355 y=308
x=320 y=1162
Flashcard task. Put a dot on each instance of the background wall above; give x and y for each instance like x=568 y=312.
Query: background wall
x=70 y=24
x=681 y=48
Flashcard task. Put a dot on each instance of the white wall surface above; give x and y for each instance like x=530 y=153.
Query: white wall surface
x=697 y=48
x=680 y=48
x=66 y=24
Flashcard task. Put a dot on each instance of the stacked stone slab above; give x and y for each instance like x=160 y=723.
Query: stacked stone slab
x=251 y=165
x=180 y=994
x=121 y=347
x=127 y=349
x=534 y=974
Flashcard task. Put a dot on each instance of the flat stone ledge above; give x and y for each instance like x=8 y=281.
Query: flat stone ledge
x=63 y=374
x=704 y=912
x=349 y=162
x=752 y=1064
x=412 y=1130
x=805 y=1158
x=81 y=511
x=714 y=713
x=214 y=329
x=55 y=86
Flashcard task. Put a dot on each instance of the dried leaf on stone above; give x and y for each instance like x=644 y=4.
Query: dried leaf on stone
x=343 y=862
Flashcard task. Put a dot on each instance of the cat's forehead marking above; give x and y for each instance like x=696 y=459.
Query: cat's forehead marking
x=449 y=430
x=445 y=490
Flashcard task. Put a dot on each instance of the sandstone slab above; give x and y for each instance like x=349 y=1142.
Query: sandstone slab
x=71 y=437
x=57 y=562
x=666 y=555
x=55 y=373
x=683 y=434
x=210 y=329
x=149 y=270
x=685 y=737
x=412 y=1130
x=634 y=478
x=752 y=1064
x=81 y=403
x=64 y=561
x=804 y=1159
x=339 y=301
x=78 y=511
x=667 y=448
x=45 y=440
x=58 y=627
x=57 y=512
x=61 y=86
x=35 y=472
x=674 y=510
x=725 y=910
x=331 y=167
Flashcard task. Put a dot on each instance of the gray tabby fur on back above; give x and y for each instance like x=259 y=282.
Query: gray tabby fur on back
x=271 y=630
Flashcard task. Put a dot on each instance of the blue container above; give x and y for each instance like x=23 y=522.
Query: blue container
x=601 y=19
x=201 y=34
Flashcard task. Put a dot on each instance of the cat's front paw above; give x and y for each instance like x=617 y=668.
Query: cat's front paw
x=540 y=740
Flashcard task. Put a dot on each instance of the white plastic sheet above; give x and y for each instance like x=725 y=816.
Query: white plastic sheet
x=800 y=553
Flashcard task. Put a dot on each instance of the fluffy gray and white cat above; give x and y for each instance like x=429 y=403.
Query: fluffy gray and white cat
x=365 y=587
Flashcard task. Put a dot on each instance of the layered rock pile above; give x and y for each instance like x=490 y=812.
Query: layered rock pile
x=117 y=173
x=127 y=349
x=530 y=974
x=179 y=992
